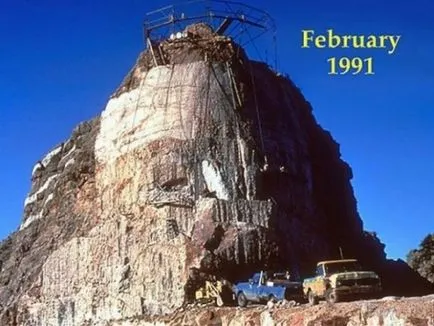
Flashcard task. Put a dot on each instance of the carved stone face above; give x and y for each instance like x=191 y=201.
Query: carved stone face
x=191 y=166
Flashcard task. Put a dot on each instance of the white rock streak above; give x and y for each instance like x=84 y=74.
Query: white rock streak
x=70 y=162
x=44 y=187
x=67 y=155
x=36 y=168
x=49 y=198
x=214 y=180
x=46 y=160
x=30 y=220
x=35 y=217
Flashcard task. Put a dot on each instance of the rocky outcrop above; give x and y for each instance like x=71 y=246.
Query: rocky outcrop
x=59 y=208
x=422 y=258
x=202 y=161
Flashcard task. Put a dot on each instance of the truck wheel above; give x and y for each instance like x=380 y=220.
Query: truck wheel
x=242 y=300
x=313 y=299
x=331 y=296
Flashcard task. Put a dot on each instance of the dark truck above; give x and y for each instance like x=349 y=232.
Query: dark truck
x=262 y=288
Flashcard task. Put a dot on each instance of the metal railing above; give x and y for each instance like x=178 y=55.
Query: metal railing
x=162 y=22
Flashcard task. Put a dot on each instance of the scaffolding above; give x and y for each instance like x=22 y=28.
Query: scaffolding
x=242 y=23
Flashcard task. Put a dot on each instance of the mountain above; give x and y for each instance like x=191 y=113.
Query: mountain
x=203 y=162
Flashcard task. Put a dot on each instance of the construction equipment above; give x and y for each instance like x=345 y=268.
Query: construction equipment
x=213 y=291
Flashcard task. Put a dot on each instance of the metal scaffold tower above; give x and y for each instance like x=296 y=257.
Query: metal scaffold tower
x=242 y=23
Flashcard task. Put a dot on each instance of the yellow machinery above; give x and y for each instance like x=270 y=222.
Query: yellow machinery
x=211 y=291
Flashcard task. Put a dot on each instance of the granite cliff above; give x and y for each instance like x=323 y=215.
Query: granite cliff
x=203 y=162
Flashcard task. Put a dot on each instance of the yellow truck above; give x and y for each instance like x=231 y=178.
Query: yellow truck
x=336 y=280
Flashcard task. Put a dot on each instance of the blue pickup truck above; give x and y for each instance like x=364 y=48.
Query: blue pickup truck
x=261 y=288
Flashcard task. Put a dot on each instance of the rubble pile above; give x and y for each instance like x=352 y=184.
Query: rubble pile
x=389 y=312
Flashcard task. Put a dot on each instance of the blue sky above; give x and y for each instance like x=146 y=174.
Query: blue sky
x=60 y=60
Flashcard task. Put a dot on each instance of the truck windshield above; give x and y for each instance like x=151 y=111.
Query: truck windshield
x=343 y=267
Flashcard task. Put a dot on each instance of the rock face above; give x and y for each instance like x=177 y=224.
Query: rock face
x=203 y=162
x=422 y=258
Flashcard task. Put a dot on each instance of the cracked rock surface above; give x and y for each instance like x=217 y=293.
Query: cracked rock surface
x=207 y=163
